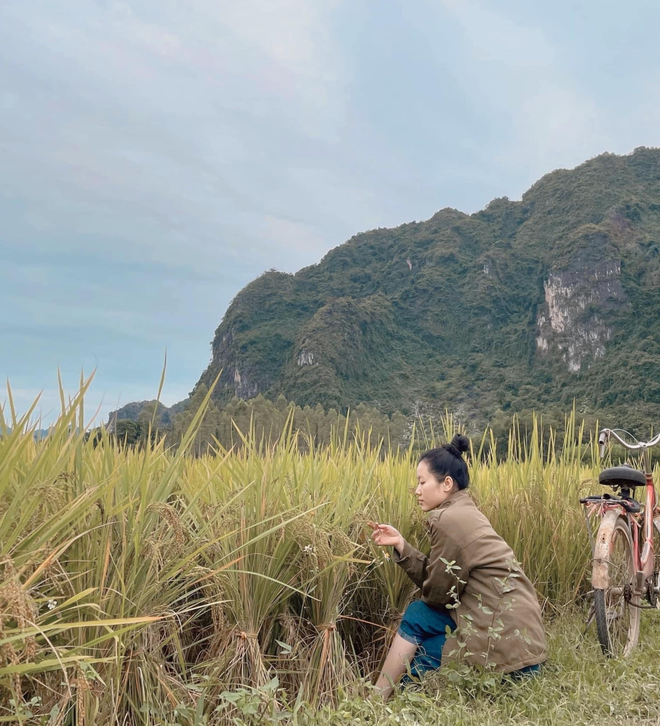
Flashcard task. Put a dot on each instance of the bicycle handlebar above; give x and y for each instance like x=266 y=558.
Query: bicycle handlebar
x=604 y=438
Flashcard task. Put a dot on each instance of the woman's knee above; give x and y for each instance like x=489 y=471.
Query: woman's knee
x=410 y=627
x=419 y=622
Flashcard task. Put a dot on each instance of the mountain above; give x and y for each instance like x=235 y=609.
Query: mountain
x=142 y=411
x=131 y=411
x=525 y=304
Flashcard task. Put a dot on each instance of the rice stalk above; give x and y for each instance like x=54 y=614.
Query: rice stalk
x=135 y=581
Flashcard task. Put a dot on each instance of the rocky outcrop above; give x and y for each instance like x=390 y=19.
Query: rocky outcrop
x=237 y=377
x=574 y=317
x=244 y=386
x=305 y=358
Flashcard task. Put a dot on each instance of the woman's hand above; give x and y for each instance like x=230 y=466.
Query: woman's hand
x=385 y=535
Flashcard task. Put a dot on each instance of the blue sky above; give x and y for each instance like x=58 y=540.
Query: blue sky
x=157 y=156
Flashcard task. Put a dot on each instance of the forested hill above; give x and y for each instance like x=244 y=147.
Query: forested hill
x=522 y=305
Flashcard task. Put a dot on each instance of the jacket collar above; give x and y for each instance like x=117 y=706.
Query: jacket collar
x=457 y=496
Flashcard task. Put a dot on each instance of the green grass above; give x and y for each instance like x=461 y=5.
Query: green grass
x=577 y=687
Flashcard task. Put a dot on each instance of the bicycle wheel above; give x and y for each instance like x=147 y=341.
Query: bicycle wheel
x=616 y=606
x=655 y=600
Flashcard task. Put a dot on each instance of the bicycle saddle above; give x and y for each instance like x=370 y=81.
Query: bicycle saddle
x=622 y=476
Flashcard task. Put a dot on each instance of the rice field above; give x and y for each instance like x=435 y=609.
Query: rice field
x=147 y=586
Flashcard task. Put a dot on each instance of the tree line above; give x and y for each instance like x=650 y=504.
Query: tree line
x=267 y=421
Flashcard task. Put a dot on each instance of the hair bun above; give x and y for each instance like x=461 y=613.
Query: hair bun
x=460 y=443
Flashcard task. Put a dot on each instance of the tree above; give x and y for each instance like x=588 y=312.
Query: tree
x=207 y=427
x=127 y=431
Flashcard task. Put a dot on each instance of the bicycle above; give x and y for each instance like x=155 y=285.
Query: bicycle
x=625 y=556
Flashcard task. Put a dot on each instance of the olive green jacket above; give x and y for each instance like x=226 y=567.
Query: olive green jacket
x=498 y=614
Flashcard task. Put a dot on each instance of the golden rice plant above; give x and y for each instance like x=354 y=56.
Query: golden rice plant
x=139 y=584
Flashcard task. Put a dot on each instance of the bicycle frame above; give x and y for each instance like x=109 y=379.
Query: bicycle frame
x=644 y=554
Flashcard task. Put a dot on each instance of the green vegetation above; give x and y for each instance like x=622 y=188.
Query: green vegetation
x=140 y=585
x=443 y=314
x=268 y=420
x=577 y=688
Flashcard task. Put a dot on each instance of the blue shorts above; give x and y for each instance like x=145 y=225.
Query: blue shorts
x=426 y=627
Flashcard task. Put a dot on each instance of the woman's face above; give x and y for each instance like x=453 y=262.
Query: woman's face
x=430 y=492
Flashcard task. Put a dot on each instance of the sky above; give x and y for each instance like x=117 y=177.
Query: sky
x=158 y=155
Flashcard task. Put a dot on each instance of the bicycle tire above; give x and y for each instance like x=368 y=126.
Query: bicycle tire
x=656 y=564
x=617 y=606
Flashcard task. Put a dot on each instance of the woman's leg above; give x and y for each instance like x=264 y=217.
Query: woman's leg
x=400 y=654
x=421 y=625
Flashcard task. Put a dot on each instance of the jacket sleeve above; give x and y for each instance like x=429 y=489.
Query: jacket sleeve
x=413 y=563
x=435 y=575
x=446 y=569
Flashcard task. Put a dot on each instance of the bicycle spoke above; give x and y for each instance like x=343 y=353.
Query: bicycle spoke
x=618 y=608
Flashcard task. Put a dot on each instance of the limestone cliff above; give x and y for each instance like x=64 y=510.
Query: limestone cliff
x=574 y=321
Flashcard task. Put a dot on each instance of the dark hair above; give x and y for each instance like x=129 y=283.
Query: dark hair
x=447 y=460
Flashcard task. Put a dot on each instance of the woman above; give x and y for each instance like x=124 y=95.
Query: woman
x=470 y=579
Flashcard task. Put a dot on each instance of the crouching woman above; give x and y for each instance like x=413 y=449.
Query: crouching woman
x=470 y=579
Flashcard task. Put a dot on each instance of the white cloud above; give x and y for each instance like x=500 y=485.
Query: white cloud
x=301 y=60
x=167 y=112
x=518 y=77
x=304 y=239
